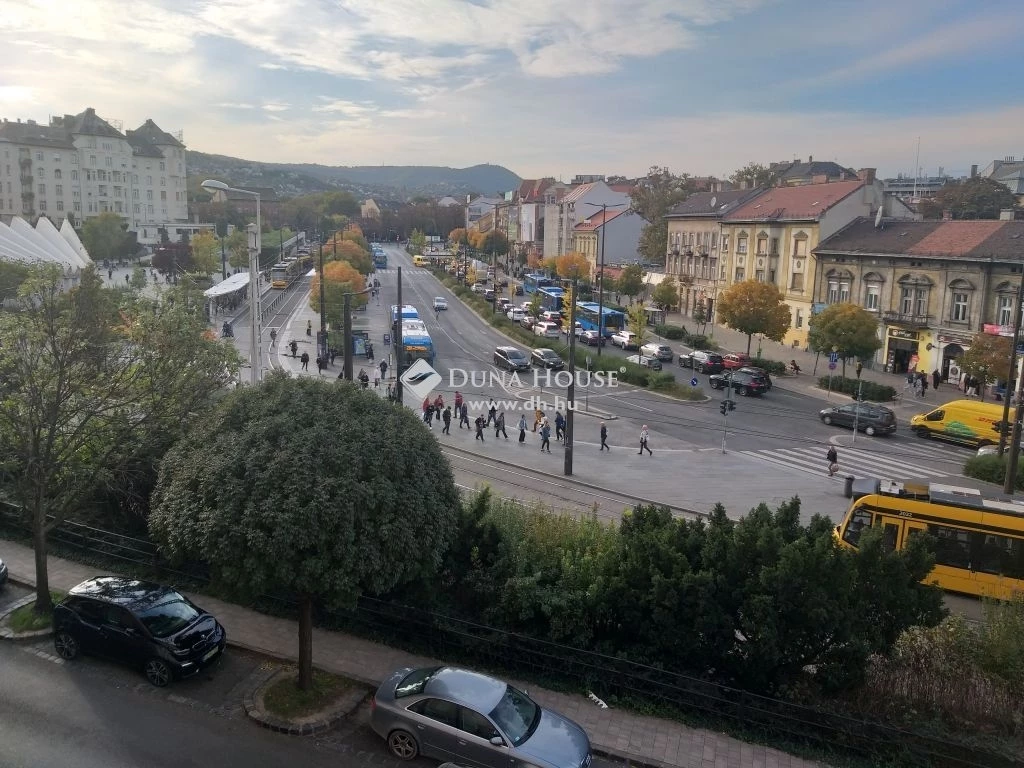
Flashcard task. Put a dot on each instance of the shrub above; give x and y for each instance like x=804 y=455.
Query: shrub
x=671 y=332
x=992 y=469
x=774 y=367
x=870 y=390
x=697 y=341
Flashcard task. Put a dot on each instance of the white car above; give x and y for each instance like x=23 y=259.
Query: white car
x=516 y=314
x=659 y=351
x=546 y=329
x=479 y=288
x=440 y=303
x=624 y=339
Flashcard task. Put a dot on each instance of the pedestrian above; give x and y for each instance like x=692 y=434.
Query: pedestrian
x=480 y=424
x=924 y=385
x=458 y=400
x=604 y=438
x=464 y=416
x=319 y=365
x=446 y=417
x=936 y=378
x=376 y=382
x=293 y=346
x=383 y=369
x=309 y=327
x=438 y=403
x=538 y=414
x=832 y=457
x=127 y=279
x=644 y=435
x=364 y=379
x=110 y=274
x=273 y=336
x=424 y=406
x=334 y=352
x=305 y=361
x=545 y=438
x=559 y=426
x=492 y=412
x=499 y=426
x=430 y=415
x=369 y=351
x=522 y=428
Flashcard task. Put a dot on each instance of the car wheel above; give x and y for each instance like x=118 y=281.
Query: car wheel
x=66 y=645
x=745 y=391
x=158 y=672
x=923 y=432
x=715 y=384
x=869 y=431
x=402 y=745
x=826 y=420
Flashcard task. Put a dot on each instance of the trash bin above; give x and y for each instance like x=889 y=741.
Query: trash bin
x=848 y=487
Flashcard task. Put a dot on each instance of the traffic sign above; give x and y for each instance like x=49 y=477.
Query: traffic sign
x=832 y=365
x=693 y=382
x=833 y=358
x=387 y=339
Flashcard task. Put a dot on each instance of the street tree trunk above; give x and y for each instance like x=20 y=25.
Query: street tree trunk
x=750 y=338
x=43 y=605
x=306 y=643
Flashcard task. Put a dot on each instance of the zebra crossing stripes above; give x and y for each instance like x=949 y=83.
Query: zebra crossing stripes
x=853 y=461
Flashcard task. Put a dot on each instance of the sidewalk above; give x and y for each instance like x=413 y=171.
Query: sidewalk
x=638 y=739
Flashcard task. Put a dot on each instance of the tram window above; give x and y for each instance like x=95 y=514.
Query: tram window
x=952 y=546
x=1000 y=555
x=890 y=532
x=858 y=523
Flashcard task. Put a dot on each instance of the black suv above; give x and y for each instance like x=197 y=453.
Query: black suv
x=745 y=384
x=511 y=359
x=702 y=362
x=145 y=625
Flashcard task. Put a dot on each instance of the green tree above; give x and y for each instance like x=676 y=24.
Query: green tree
x=988 y=359
x=754 y=307
x=307 y=486
x=753 y=175
x=630 y=282
x=12 y=275
x=974 y=198
x=636 y=321
x=340 y=278
x=237 y=246
x=205 y=252
x=339 y=204
x=417 y=242
x=851 y=330
x=535 y=307
x=652 y=197
x=104 y=237
x=700 y=314
x=138 y=281
x=666 y=294
x=88 y=384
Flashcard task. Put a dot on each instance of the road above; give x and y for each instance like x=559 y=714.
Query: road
x=90 y=714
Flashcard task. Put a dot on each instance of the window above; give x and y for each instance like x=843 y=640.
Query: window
x=445 y=712
x=60 y=205
x=163 y=181
x=959 y=314
x=725 y=243
x=798 y=322
x=110 y=162
x=906 y=301
x=838 y=291
x=74 y=159
x=762 y=246
x=42 y=205
x=149 y=180
x=740 y=275
x=56 y=158
x=1004 y=310
x=41 y=173
x=796 y=282
x=856 y=526
x=78 y=207
x=60 y=189
x=101 y=175
x=74 y=175
x=921 y=302
x=873 y=297
x=161 y=165
x=149 y=194
x=952 y=546
x=759 y=275
x=92 y=159
x=163 y=195
x=775 y=247
x=103 y=190
x=57 y=174
x=39 y=156
x=741 y=244
x=42 y=189
x=474 y=723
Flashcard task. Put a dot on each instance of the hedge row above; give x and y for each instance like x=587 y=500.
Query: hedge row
x=870 y=390
x=992 y=469
x=679 y=333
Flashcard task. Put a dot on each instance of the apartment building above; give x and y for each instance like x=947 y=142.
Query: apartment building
x=578 y=203
x=615 y=231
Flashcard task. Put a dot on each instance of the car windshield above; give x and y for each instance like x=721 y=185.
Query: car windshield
x=516 y=355
x=170 y=614
x=516 y=715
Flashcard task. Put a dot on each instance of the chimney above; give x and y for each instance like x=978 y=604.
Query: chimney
x=974 y=171
x=810 y=158
x=1006 y=214
x=867 y=175
x=947 y=215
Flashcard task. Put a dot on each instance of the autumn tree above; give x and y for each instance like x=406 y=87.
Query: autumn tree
x=237 y=246
x=340 y=278
x=652 y=198
x=974 y=198
x=847 y=328
x=417 y=242
x=666 y=294
x=630 y=282
x=457 y=237
x=572 y=264
x=753 y=175
x=988 y=359
x=205 y=252
x=754 y=307
x=104 y=237
x=305 y=486
x=340 y=249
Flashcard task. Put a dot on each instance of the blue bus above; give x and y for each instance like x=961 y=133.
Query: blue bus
x=551 y=298
x=536 y=280
x=408 y=313
x=416 y=342
x=380 y=258
x=586 y=315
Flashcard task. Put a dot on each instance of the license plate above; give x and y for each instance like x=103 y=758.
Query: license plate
x=210 y=654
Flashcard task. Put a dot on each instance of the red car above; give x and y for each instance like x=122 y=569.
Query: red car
x=733 y=362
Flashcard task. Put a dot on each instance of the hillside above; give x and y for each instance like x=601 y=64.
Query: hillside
x=397 y=182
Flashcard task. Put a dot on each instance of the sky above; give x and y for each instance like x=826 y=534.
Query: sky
x=543 y=87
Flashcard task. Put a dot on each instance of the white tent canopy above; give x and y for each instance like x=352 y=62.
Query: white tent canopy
x=230 y=285
x=22 y=244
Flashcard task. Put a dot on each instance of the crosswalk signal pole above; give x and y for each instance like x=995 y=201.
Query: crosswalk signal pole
x=856 y=412
x=726 y=406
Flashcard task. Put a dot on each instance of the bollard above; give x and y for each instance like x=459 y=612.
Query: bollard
x=848 y=487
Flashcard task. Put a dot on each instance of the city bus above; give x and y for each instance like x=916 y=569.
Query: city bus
x=408 y=313
x=979 y=541
x=586 y=316
x=551 y=298
x=534 y=281
x=380 y=258
x=416 y=342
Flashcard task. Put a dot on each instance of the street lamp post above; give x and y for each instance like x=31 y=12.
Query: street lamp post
x=570 y=402
x=600 y=288
x=255 y=321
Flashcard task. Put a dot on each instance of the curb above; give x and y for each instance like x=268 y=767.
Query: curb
x=8 y=634
x=252 y=702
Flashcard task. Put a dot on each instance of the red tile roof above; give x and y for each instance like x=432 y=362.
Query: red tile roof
x=597 y=220
x=978 y=239
x=532 y=190
x=804 y=202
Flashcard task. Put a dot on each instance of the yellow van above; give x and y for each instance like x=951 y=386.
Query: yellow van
x=962 y=421
x=420 y=261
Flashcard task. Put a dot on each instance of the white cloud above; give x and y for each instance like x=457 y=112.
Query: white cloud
x=276 y=107
x=235 y=105
x=344 y=107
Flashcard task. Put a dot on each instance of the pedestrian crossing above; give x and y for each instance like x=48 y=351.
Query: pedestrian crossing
x=897 y=462
x=411 y=272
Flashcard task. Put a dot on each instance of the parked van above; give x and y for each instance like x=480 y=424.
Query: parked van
x=962 y=421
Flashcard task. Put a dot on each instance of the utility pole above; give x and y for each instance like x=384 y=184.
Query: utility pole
x=600 y=288
x=726 y=406
x=1017 y=317
x=347 y=333
x=570 y=404
x=860 y=399
x=223 y=260
x=322 y=335
x=494 y=265
x=396 y=343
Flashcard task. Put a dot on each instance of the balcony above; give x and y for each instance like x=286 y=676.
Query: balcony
x=27 y=180
x=25 y=162
x=914 y=321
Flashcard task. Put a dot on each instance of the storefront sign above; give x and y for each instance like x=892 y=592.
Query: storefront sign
x=899 y=333
x=954 y=339
x=997 y=330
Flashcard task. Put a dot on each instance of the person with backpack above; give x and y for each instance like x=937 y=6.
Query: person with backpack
x=545 y=438
x=832 y=457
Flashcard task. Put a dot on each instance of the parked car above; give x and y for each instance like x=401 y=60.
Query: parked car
x=647 y=362
x=489 y=294
x=511 y=359
x=138 y=623
x=701 y=361
x=440 y=303
x=515 y=314
x=454 y=714
x=528 y=322
x=744 y=383
x=592 y=338
x=504 y=304
x=758 y=372
x=735 y=360
x=3 y=573
x=547 y=358
x=518 y=290
x=624 y=339
x=552 y=317
x=659 y=351
x=546 y=329
x=479 y=287
x=871 y=419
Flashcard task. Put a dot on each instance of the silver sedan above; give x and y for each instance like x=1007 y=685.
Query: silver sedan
x=473 y=720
